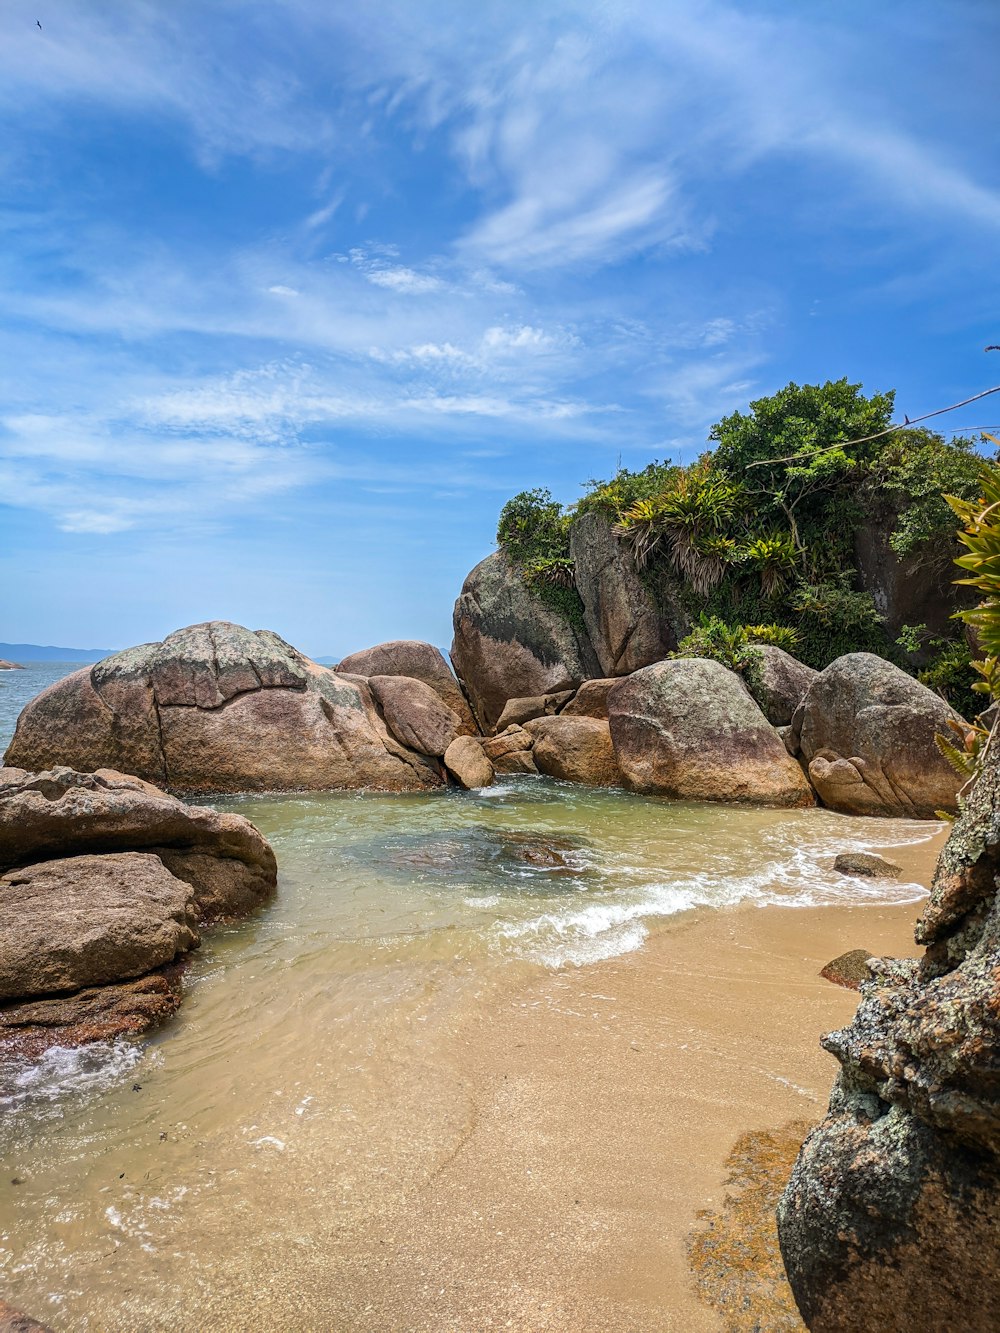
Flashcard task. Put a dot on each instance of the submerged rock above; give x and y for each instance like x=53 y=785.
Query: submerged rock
x=866 y=730
x=867 y=864
x=218 y=708
x=689 y=729
x=13 y=1321
x=509 y=645
x=891 y=1219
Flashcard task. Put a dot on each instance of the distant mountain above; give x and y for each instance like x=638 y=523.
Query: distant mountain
x=327 y=661
x=37 y=652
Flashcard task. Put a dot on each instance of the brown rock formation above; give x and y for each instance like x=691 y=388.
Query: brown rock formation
x=866 y=730
x=688 y=728
x=509 y=645
x=576 y=749
x=468 y=765
x=622 y=619
x=87 y=920
x=782 y=684
x=218 y=708
x=418 y=661
x=416 y=714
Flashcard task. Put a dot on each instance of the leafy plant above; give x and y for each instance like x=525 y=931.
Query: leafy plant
x=773 y=557
x=967 y=750
x=980 y=535
x=727 y=644
x=778 y=636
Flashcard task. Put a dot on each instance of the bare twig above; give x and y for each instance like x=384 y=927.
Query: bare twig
x=891 y=430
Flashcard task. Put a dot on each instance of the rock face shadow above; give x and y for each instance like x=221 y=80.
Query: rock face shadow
x=734 y=1253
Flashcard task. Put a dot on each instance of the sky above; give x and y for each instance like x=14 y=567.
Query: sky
x=294 y=296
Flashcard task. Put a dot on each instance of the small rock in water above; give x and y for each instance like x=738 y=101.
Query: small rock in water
x=867 y=864
x=849 y=969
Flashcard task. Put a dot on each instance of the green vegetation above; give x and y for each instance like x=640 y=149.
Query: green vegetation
x=760 y=533
x=728 y=644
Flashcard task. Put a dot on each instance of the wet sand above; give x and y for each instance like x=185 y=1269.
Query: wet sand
x=603 y=1103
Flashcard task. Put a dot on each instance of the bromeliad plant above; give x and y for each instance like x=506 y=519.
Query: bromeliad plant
x=691 y=519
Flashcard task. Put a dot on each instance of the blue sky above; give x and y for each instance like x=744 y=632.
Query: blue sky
x=295 y=295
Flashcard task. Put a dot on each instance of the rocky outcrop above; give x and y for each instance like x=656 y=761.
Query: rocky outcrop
x=866 y=731
x=104 y=882
x=517 y=711
x=781 y=684
x=622 y=619
x=10 y=666
x=866 y=864
x=907 y=590
x=416 y=661
x=891 y=1219
x=218 y=708
x=509 y=751
x=509 y=645
x=86 y=920
x=468 y=765
x=415 y=714
x=689 y=729
x=576 y=749
x=61 y=813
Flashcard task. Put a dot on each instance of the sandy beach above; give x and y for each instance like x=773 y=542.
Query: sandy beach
x=606 y=1101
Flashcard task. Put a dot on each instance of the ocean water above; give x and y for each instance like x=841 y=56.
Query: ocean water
x=285 y=1087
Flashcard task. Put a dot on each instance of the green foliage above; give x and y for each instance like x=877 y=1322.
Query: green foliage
x=913 y=470
x=778 y=636
x=912 y=638
x=613 y=498
x=533 y=527
x=835 y=619
x=964 y=749
x=773 y=557
x=980 y=535
x=727 y=644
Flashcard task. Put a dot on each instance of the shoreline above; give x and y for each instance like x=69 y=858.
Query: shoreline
x=606 y=1100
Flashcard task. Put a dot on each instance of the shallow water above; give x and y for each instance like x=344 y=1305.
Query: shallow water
x=313 y=1076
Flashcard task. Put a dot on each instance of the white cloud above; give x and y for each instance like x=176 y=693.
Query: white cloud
x=280 y=290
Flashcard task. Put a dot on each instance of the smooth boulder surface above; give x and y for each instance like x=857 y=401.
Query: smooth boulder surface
x=891 y=1219
x=689 y=729
x=86 y=920
x=218 y=708
x=509 y=645
x=866 y=731
x=418 y=661
x=782 y=684
x=61 y=813
x=576 y=749
x=468 y=765
x=622 y=619
x=591 y=699
x=415 y=714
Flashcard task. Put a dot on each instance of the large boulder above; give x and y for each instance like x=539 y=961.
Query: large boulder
x=517 y=711
x=576 y=749
x=418 y=661
x=891 y=1219
x=591 y=699
x=781 y=684
x=468 y=765
x=622 y=619
x=104 y=881
x=689 y=729
x=510 y=645
x=218 y=708
x=866 y=731
x=85 y=920
x=415 y=714
x=61 y=813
